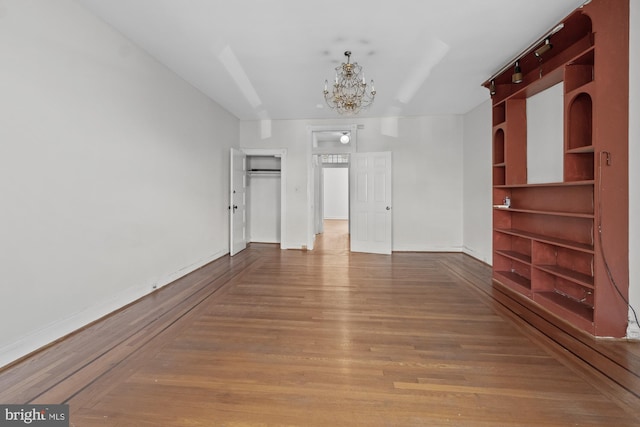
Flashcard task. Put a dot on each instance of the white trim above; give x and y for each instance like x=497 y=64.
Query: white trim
x=282 y=153
x=412 y=247
x=311 y=236
x=352 y=147
x=311 y=138
x=480 y=256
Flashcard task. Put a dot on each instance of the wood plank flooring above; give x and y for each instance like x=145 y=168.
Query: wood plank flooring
x=321 y=338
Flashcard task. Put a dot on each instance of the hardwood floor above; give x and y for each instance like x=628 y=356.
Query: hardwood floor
x=322 y=338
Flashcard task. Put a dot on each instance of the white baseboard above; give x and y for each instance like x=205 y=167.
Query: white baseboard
x=60 y=328
x=423 y=248
x=633 y=329
x=477 y=255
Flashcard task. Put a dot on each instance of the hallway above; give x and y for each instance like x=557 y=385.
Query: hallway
x=335 y=238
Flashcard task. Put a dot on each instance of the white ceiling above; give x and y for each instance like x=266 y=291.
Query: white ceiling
x=426 y=56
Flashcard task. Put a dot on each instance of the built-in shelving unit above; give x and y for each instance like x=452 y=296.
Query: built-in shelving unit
x=560 y=243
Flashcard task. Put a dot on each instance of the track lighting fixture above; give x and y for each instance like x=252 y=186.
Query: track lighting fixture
x=492 y=88
x=517 y=73
x=546 y=47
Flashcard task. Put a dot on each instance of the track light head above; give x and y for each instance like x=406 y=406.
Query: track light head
x=492 y=88
x=546 y=47
x=517 y=73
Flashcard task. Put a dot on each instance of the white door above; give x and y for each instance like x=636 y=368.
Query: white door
x=370 y=200
x=237 y=198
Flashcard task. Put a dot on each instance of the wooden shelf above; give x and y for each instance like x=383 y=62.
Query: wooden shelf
x=586 y=57
x=561 y=301
x=565 y=273
x=570 y=244
x=551 y=184
x=581 y=150
x=580 y=81
x=513 y=280
x=517 y=256
x=554 y=213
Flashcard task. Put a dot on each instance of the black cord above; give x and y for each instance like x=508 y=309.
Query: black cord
x=604 y=258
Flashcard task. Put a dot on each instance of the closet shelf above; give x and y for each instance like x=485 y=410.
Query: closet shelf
x=252 y=172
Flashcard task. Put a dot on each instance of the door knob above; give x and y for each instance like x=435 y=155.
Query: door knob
x=235 y=207
x=388 y=208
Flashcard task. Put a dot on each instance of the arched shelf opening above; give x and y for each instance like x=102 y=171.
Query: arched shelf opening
x=580 y=123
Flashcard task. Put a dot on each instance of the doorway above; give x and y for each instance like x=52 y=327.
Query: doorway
x=334 y=201
x=329 y=150
x=258 y=197
x=370 y=189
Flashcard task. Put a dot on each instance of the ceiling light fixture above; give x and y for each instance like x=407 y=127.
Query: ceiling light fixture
x=349 y=94
x=344 y=138
x=517 y=73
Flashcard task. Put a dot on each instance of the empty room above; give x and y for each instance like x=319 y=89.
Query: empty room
x=304 y=213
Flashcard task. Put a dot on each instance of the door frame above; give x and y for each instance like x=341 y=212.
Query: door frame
x=282 y=154
x=314 y=148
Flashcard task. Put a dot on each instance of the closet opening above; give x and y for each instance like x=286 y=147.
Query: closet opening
x=263 y=199
x=258 y=197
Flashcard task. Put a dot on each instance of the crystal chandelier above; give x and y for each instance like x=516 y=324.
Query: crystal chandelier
x=349 y=94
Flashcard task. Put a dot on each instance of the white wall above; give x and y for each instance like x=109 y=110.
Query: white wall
x=336 y=193
x=477 y=176
x=634 y=162
x=263 y=208
x=113 y=173
x=427 y=176
x=545 y=135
